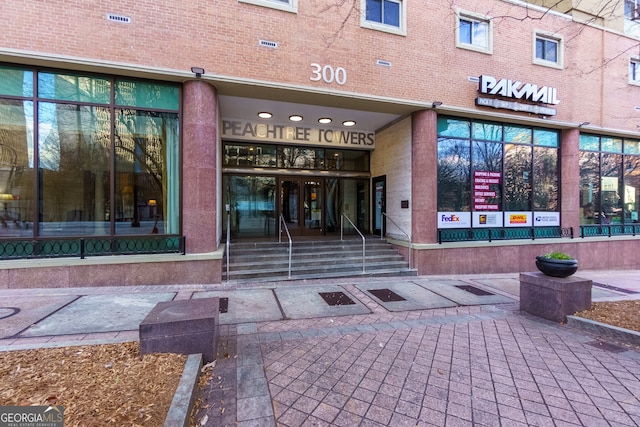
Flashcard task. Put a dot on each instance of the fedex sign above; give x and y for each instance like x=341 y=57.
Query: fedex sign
x=454 y=219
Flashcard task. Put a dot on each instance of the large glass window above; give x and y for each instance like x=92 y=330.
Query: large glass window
x=609 y=180
x=487 y=167
x=59 y=176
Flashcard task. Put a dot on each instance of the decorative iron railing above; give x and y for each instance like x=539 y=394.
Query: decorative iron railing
x=609 y=230
x=511 y=233
x=90 y=246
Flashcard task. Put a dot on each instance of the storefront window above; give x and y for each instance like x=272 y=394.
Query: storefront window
x=609 y=180
x=73 y=154
x=502 y=174
x=74 y=192
x=454 y=175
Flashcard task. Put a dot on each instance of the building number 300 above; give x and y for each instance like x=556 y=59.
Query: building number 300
x=328 y=74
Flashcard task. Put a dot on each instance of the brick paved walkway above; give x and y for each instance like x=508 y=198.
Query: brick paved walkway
x=461 y=366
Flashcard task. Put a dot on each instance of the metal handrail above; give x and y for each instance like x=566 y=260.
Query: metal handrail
x=401 y=230
x=361 y=235
x=228 y=240
x=280 y=224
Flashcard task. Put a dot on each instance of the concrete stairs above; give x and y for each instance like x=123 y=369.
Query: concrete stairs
x=269 y=261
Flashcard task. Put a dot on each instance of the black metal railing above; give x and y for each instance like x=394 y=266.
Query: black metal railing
x=90 y=246
x=510 y=233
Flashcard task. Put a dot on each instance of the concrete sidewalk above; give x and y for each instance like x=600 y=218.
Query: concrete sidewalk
x=453 y=351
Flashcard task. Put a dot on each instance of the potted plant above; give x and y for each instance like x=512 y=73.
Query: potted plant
x=557 y=264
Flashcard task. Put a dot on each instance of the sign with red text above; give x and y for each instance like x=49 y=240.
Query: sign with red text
x=517 y=219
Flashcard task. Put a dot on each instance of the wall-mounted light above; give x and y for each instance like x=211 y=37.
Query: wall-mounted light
x=265 y=115
x=348 y=123
x=324 y=120
x=198 y=71
x=436 y=104
x=295 y=118
x=584 y=124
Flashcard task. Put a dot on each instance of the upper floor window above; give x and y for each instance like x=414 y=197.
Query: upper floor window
x=384 y=15
x=285 y=5
x=474 y=32
x=632 y=17
x=634 y=71
x=547 y=50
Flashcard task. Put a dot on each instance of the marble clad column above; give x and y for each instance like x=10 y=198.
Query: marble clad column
x=424 y=177
x=570 y=179
x=199 y=172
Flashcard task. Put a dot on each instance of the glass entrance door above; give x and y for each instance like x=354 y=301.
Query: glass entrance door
x=301 y=205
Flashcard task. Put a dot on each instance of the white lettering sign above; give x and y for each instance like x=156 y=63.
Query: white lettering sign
x=328 y=74
x=518 y=90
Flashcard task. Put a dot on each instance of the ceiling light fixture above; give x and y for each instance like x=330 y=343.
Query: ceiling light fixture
x=265 y=115
x=295 y=118
x=348 y=123
x=324 y=120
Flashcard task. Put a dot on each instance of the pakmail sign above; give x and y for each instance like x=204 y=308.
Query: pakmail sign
x=517 y=90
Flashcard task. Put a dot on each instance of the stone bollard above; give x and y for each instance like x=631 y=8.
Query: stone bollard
x=554 y=298
x=182 y=327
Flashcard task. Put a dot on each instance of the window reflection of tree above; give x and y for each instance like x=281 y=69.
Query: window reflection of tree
x=454 y=175
x=545 y=179
x=632 y=188
x=589 y=186
x=517 y=179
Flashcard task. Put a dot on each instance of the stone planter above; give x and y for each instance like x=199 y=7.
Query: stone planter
x=556 y=267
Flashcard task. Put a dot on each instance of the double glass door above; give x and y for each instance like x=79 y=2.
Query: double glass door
x=301 y=205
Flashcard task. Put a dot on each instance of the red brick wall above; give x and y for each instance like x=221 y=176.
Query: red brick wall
x=222 y=37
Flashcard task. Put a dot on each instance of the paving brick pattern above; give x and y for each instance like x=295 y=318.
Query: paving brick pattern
x=478 y=365
x=461 y=366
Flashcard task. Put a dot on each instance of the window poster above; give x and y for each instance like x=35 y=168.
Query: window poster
x=546 y=219
x=485 y=190
x=487 y=219
x=517 y=219
x=454 y=219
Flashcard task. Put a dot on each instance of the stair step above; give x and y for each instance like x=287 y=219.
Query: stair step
x=269 y=261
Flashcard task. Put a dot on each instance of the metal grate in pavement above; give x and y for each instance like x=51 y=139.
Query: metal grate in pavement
x=607 y=346
x=336 y=298
x=474 y=290
x=386 y=295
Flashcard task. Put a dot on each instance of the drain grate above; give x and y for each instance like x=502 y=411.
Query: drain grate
x=607 y=347
x=614 y=288
x=474 y=290
x=386 y=295
x=336 y=298
x=224 y=305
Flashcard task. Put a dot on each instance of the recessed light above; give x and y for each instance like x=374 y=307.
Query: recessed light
x=348 y=123
x=295 y=118
x=324 y=120
x=265 y=115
